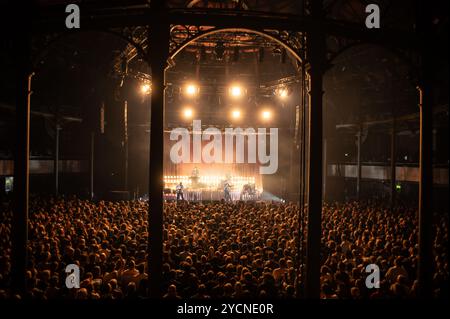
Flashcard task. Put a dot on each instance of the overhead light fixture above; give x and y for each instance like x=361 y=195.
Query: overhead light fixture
x=188 y=113
x=282 y=92
x=190 y=90
x=236 y=114
x=266 y=115
x=146 y=88
x=236 y=91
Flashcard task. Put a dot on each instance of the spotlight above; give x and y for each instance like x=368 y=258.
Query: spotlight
x=188 y=113
x=191 y=90
x=236 y=91
x=146 y=88
x=236 y=114
x=282 y=92
x=266 y=115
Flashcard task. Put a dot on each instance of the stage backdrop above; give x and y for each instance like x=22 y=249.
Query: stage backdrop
x=210 y=175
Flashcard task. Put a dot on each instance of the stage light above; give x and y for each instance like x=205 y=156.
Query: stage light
x=282 y=92
x=236 y=91
x=146 y=88
x=266 y=115
x=188 y=113
x=236 y=114
x=191 y=90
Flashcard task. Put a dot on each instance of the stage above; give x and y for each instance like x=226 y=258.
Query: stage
x=211 y=195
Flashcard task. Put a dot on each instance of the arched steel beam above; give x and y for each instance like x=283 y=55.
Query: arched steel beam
x=178 y=47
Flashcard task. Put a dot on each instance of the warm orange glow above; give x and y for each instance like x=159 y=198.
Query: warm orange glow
x=266 y=115
x=146 y=88
x=283 y=92
x=188 y=113
x=191 y=90
x=236 y=114
x=236 y=91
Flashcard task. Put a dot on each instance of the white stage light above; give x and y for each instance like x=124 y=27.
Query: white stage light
x=266 y=115
x=236 y=91
x=146 y=88
x=191 y=90
x=188 y=113
x=236 y=114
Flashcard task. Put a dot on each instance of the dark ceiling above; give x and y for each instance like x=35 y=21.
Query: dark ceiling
x=366 y=82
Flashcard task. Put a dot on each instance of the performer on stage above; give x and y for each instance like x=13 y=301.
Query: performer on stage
x=226 y=191
x=179 y=190
x=248 y=192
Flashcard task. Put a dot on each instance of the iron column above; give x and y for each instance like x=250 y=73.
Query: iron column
x=316 y=67
x=158 y=34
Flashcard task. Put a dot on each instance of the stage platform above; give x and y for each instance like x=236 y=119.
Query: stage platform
x=211 y=195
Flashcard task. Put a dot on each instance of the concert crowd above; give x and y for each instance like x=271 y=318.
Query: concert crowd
x=218 y=250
